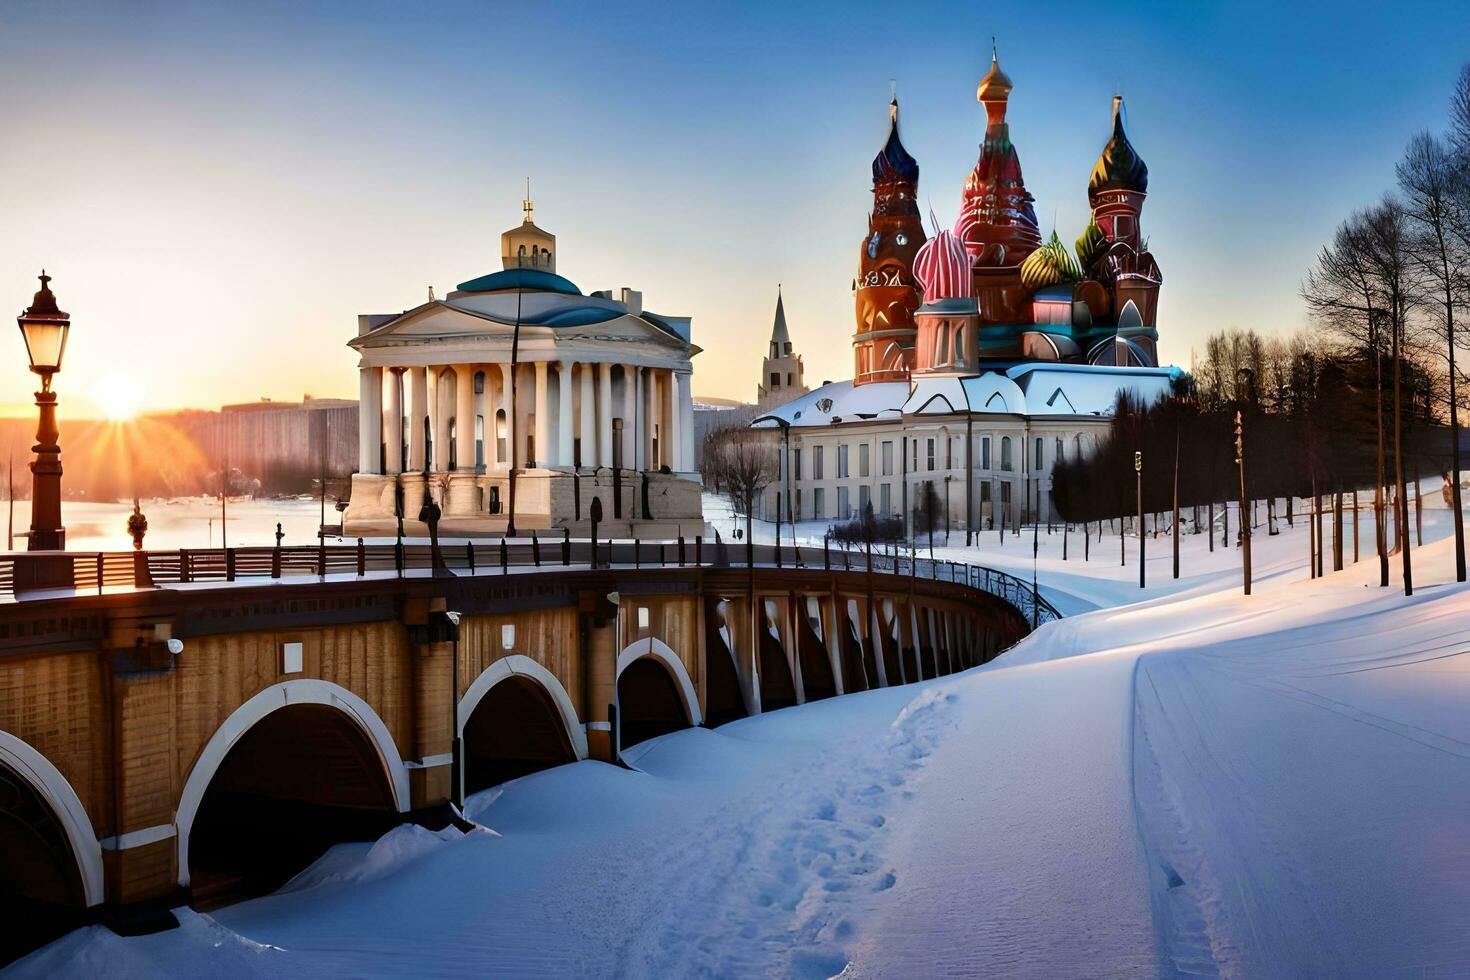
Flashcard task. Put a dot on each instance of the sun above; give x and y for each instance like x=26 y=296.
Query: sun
x=119 y=397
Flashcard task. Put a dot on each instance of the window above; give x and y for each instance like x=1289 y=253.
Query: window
x=796 y=463
x=479 y=442
x=1005 y=453
x=959 y=346
x=788 y=379
x=914 y=465
x=929 y=452
x=985 y=453
x=949 y=454
x=1036 y=465
x=817 y=463
x=500 y=436
x=1061 y=452
x=863 y=459
x=798 y=503
x=843 y=510
x=775 y=379
x=819 y=504
x=479 y=382
x=887 y=458
x=885 y=498
x=453 y=447
x=865 y=498
x=842 y=462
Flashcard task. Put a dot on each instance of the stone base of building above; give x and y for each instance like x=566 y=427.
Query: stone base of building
x=643 y=505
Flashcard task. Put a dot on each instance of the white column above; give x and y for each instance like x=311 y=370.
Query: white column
x=604 y=415
x=369 y=419
x=686 y=408
x=464 y=417
x=543 y=456
x=510 y=416
x=564 y=413
x=677 y=461
x=434 y=452
x=588 y=427
x=640 y=420
x=393 y=421
x=630 y=413
x=651 y=415
x=418 y=410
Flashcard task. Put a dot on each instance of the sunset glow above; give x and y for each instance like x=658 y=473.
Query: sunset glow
x=119 y=397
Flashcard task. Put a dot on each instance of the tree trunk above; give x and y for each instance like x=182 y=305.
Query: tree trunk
x=1398 y=455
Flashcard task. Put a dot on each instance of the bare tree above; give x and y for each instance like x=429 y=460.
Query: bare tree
x=741 y=463
x=1341 y=294
x=1428 y=176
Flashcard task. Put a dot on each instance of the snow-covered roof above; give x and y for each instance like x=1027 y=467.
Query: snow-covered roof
x=1035 y=389
x=839 y=401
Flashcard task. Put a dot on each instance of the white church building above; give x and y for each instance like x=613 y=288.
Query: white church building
x=600 y=407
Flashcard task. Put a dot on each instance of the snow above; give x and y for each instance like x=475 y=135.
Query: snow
x=1177 y=780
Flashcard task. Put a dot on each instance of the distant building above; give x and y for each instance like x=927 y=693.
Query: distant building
x=782 y=373
x=287 y=445
x=598 y=406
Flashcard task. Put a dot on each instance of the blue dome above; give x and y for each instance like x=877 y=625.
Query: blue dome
x=532 y=279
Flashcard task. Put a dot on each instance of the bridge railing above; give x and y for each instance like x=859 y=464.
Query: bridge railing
x=103 y=571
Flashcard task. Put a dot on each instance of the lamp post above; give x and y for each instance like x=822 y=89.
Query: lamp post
x=1138 y=475
x=44 y=328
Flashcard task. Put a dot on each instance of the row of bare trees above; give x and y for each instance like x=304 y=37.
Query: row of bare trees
x=1393 y=283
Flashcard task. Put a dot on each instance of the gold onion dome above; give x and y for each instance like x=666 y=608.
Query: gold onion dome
x=1049 y=265
x=1090 y=245
x=996 y=85
x=1119 y=167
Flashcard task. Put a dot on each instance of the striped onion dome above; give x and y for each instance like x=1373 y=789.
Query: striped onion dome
x=943 y=268
x=1049 y=265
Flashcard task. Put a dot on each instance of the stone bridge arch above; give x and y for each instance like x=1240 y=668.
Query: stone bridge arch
x=648 y=707
x=531 y=681
x=330 y=700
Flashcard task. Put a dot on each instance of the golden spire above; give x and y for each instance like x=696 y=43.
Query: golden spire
x=995 y=86
x=528 y=205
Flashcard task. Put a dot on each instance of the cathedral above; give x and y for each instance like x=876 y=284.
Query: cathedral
x=985 y=354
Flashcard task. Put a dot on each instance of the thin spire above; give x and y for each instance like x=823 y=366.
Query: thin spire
x=528 y=205
x=994 y=51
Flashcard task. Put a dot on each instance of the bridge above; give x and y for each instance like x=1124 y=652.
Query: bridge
x=198 y=726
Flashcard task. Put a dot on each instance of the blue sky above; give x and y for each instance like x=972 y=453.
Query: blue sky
x=220 y=189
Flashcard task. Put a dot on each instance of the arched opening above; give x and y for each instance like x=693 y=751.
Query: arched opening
x=42 y=895
x=302 y=778
x=500 y=445
x=778 y=688
x=649 y=703
x=515 y=730
x=854 y=677
x=723 y=698
x=817 y=681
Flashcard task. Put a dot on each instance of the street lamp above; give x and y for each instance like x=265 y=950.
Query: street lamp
x=1138 y=475
x=44 y=328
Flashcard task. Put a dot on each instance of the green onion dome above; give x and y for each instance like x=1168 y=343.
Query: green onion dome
x=1119 y=167
x=1049 y=265
x=1091 y=244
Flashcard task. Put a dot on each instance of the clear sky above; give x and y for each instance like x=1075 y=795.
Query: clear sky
x=219 y=189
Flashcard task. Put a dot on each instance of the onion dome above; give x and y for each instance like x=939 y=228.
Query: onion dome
x=943 y=269
x=996 y=85
x=1049 y=265
x=1091 y=244
x=1119 y=167
x=893 y=162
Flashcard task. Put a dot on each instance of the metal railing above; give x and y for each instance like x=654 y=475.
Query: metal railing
x=98 y=572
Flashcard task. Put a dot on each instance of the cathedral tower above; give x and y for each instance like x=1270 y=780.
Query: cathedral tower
x=782 y=373
x=885 y=289
x=997 y=222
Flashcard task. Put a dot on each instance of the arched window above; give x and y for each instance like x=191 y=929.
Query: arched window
x=1036 y=464
x=1061 y=451
x=500 y=453
x=521 y=255
x=959 y=346
x=941 y=348
x=1005 y=452
x=479 y=382
x=453 y=455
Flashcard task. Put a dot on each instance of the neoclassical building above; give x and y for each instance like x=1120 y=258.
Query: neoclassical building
x=984 y=354
x=600 y=407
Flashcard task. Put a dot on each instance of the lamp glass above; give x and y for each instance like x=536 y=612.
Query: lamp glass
x=45 y=343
